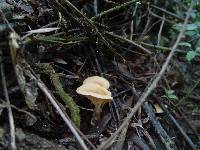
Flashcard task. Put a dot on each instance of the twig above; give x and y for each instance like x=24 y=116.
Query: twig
x=18 y=109
x=6 y=21
x=10 y=114
x=160 y=30
x=138 y=141
x=74 y=126
x=157 y=16
x=167 y=12
x=113 y=9
x=95 y=7
x=14 y=47
x=29 y=72
x=129 y=41
x=169 y=144
x=188 y=140
x=167 y=49
x=148 y=23
x=153 y=121
x=69 y=124
x=164 y=77
x=74 y=110
x=152 y=86
x=83 y=18
x=122 y=137
x=133 y=20
x=150 y=139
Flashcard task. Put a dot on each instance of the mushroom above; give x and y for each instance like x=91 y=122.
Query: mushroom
x=98 y=96
x=98 y=80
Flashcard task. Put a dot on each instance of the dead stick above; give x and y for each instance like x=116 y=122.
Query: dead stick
x=187 y=139
x=167 y=12
x=165 y=138
x=113 y=9
x=10 y=114
x=130 y=42
x=45 y=90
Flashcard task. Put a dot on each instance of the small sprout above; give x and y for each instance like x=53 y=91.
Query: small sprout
x=98 y=80
x=98 y=96
x=170 y=94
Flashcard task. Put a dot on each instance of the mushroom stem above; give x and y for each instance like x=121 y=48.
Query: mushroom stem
x=96 y=114
x=97 y=111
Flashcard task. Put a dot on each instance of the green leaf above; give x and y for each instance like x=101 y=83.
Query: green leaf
x=191 y=27
x=197 y=50
x=170 y=94
x=198 y=43
x=190 y=33
x=172 y=97
x=185 y=44
x=190 y=55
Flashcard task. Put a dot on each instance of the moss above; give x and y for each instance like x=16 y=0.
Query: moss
x=68 y=100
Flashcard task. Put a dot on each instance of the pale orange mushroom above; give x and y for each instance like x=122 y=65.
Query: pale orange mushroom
x=98 y=95
x=98 y=80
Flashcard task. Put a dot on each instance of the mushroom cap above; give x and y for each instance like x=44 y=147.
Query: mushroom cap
x=95 y=92
x=98 y=80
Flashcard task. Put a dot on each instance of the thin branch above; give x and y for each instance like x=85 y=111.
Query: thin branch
x=164 y=137
x=113 y=9
x=167 y=12
x=84 y=18
x=10 y=114
x=95 y=3
x=152 y=86
x=160 y=30
x=47 y=93
x=177 y=125
x=162 y=48
x=157 y=16
x=130 y=42
x=45 y=90
x=18 y=109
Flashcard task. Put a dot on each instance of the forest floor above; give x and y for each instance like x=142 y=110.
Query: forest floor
x=149 y=52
